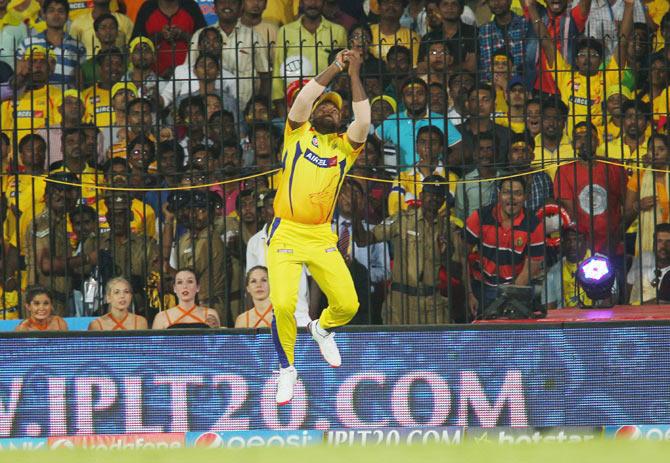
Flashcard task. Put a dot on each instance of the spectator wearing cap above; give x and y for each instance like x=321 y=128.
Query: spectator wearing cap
x=649 y=270
x=540 y=187
x=27 y=192
x=582 y=86
x=517 y=96
x=37 y=102
x=74 y=161
x=462 y=37
x=98 y=97
x=389 y=32
x=508 y=242
x=68 y=53
x=303 y=47
x=506 y=31
x=631 y=146
x=202 y=250
x=382 y=107
x=406 y=191
x=615 y=96
x=142 y=69
x=560 y=288
x=98 y=28
x=143 y=218
x=401 y=129
x=565 y=24
x=10 y=265
x=49 y=259
x=370 y=266
x=480 y=105
x=424 y=242
x=122 y=93
x=244 y=53
x=133 y=253
x=169 y=24
x=185 y=82
x=552 y=144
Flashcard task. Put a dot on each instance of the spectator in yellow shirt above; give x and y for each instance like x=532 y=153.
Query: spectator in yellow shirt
x=37 y=106
x=303 y=47
x=615 y=96
x=631 y=146
x=517 y=95
x=27 y=196
x=83 y=27
x=98 y=98
x=106 y=30
x=583 y=88
x=389 y=32
x=552 y=145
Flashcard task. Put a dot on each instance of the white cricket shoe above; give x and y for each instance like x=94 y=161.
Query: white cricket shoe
x=287 y=379
x=326 y=342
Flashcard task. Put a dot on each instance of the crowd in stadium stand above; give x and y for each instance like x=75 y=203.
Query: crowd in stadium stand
x=142 y=141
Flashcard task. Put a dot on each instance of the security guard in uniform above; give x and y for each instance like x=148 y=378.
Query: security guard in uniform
x=48 y=252
x=423 y=240
x=202 y=250
x=134 y=255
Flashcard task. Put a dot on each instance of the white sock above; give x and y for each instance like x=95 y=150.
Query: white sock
x=320 y=330
x=288 y=368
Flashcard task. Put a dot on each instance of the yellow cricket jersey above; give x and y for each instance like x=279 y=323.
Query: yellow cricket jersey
x=381 y=43
x=98 y=106
x=79 y=7
x=501 y=108
x=35 y=109
x=142 y=221
x=552 y=159
x=313 y=168
x=617 y=149
x=88 y=178
x=30 y=194
x=514 y=125
x=407 y=189
x=584 y=95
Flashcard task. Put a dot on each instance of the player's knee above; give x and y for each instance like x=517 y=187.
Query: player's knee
x=349 y=304
x=284 y=304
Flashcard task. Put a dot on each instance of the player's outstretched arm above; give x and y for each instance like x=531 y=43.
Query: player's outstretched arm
x=360 y=127
x=302 y=106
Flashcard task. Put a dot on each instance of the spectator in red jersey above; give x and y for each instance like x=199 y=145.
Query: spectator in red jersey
x=170 y=25
x=602 y=202
x=509 y=244
x=593 y=194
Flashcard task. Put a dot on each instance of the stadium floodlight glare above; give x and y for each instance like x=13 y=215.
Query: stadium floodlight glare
x=596 y=276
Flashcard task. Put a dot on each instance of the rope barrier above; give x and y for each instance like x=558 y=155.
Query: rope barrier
x=359 y=177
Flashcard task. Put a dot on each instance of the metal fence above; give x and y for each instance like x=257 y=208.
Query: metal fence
x=148 y=174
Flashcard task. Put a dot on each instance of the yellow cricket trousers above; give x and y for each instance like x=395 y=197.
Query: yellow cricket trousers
x=290 y=245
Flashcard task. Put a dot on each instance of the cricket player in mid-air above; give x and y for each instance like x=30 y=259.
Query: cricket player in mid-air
x=315 y=161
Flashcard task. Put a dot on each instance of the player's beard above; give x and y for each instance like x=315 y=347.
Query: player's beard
x=325 y=126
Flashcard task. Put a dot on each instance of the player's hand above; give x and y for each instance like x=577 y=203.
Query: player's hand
x=355 y=59
x=211 y=321
x=341 y=58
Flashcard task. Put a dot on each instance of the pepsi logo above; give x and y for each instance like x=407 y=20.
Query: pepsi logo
x=628 y=433
x=209 y=440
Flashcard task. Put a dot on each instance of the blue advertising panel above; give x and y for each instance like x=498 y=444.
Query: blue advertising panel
x=201 y=382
